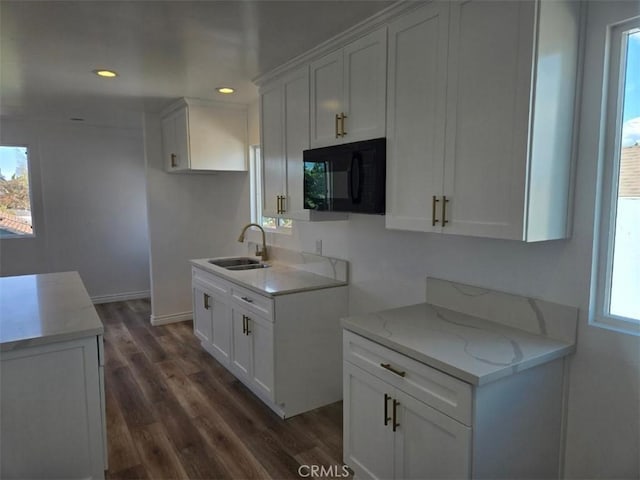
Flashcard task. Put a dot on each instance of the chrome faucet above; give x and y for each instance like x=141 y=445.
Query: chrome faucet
x=262 y=253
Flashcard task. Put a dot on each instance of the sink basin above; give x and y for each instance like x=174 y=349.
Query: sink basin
x=236 y=262
x=248 y=267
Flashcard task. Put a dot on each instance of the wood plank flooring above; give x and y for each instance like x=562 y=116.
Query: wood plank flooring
x=173 y=412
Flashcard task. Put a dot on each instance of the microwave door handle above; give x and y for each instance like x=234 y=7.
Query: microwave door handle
x=355 y=172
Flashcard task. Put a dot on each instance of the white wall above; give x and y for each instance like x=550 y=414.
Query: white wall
x=190 y=216
x=89 y=206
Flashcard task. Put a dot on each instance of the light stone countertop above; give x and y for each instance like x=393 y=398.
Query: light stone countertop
x=278 y=279
x=471 y=349
x=45 y=308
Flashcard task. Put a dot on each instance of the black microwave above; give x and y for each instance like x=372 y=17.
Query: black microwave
x=346 y=178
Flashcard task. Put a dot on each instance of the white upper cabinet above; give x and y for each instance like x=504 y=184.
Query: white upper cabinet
x=348 y=90
x=274 y=166
x=417 y=85
x=203 y=136
x=285 y=135
x=504 y=171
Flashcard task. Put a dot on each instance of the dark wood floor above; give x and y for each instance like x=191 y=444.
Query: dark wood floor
x=174 y=412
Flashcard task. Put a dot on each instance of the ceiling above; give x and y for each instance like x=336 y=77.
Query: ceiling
x=162 y=50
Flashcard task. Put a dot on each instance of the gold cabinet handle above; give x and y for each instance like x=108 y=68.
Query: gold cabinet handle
x=444 y=210
x=395 y=413
x=278 y=204
x=337 y=121
x=393 y=370
x=173 y=160
x=283 y=204
x=244 y=324
x=247 y=331
x=386 y=409
x=434 y=220
x=342 y=130
x=205 y=299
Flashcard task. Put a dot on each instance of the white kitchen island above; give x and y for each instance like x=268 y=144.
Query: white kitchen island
x=51 y=379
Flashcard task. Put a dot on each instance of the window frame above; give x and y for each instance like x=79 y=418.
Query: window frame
x=30 y=175
x=608 y=180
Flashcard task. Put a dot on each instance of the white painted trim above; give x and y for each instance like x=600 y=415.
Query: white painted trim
x=120 y=297
x=200 y=102
x=170 y=318
x=376 y=20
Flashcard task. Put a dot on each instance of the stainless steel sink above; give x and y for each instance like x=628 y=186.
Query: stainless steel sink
x=234 y=262
x=238 y=263
x=248 y=267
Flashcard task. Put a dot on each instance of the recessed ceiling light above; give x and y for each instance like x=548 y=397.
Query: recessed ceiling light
x=225 y=90
x=101 y=72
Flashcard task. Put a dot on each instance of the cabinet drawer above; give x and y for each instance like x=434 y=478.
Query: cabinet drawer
x=439 y=390
x=258 y=304
x=210 y=281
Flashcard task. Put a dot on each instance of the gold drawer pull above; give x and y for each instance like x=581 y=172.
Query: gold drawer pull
x=386 y=409
x=434 y=220
x=393 y=370
x=444 y=210
x=395 y=406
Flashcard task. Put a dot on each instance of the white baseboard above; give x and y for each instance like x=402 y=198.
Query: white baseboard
x=120 y=297
x=170 y=318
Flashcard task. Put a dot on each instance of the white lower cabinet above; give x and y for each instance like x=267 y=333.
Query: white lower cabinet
x=275 y=356
x=252 y=358
x=406 y=420
x=53 y=410
x=389 y=434
x=210 y=319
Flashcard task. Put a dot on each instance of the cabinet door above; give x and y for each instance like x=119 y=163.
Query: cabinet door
x=51 y=412
x=326 y=99
x=202 y=325
x=296 y=120
x=368 y=442
x=220 y=328
x=260 y=332
x=175 y=140
x=365 y=86
x=241 y=348
x=417 y=80
x=273 y=155
x=490 y=58
x=169 y=143
x=429 y=444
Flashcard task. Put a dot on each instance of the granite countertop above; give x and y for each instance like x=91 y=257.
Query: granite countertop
x=278 y=279
x=474 y=350
x=45 y=308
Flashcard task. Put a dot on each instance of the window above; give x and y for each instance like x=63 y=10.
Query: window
x=617 y=302
x=15 y=193
x=281 y=225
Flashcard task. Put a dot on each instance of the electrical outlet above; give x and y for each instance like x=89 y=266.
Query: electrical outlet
x=318 y=247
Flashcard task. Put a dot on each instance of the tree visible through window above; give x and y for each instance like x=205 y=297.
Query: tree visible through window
x=15 y=195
